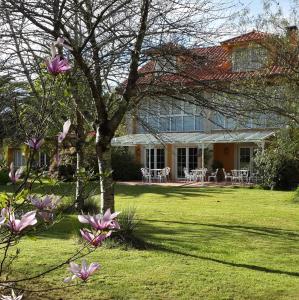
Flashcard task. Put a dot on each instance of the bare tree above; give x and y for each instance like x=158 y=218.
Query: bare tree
x=109 y=42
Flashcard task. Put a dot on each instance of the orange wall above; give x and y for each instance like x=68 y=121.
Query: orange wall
x=9 y=155
x=225 y=154
x=138 y=153
x=169 y=158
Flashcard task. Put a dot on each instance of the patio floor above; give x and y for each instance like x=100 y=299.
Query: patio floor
x=184 y=183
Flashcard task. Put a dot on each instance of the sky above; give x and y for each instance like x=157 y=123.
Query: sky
x=256 y=6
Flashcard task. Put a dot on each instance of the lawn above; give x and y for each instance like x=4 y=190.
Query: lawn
x=204 y=243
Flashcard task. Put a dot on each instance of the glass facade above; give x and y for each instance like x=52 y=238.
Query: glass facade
x=169 y=116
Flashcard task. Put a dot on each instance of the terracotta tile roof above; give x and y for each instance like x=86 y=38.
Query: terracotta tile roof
x=247 y=37
x=207 y=64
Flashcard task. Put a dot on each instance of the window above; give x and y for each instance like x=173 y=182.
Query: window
x=18 y=158
x=186 y=158
x=156 y=160
x=167 y=115
x=248 y=59
x=246 y=157
x=43 y=159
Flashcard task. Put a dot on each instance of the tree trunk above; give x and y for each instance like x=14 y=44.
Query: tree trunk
x=103 y=151
x=79 y=200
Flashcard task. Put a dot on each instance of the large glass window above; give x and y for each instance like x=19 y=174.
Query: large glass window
x=173 y=116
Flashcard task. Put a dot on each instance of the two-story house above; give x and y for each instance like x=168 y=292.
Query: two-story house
x=185 y=135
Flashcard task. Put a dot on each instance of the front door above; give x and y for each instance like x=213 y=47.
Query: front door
x=186 y=158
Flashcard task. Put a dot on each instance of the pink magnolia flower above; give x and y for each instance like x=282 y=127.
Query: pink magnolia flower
x=35 y=143
x=48 y=202
x=94 y=240
x=59 y=43
x=15 y=175
x=99 y=222
x=63 y=134
x=57 y=65
x=16 y=226
x=47 y=216
x=12 y=297
x=82 y=272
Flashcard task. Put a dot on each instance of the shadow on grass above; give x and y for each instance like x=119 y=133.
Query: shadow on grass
x=255 y=230
x=223 y=262
x=67 y=189
x=181 y=192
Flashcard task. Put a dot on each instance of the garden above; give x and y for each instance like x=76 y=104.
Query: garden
x=184 y=243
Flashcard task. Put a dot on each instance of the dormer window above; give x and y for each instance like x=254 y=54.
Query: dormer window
x=248 y=59
x=166 y=64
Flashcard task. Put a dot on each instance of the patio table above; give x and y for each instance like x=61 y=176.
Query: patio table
x=154 y=173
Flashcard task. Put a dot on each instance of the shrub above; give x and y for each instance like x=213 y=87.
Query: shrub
x=278 y=165
x=4 y=178
x=126 y=236
x=124 y=165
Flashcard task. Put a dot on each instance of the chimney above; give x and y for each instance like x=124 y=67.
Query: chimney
x=292 y=34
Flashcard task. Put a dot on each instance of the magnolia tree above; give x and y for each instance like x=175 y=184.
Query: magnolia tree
x=25 y=211
x=106 y=43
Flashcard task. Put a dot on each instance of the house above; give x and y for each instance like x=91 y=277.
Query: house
x=185 y=135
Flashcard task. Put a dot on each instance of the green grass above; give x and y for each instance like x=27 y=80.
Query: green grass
x=204 y=243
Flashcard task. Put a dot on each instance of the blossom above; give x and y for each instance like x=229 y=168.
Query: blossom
x=82 y=272
x=99 y=222
x=60 y=42
x=63 y=134
x=48 y=202
x=47 y=216
x=35 y=143
x=16 y=225
x=94 y=240
x=57 y=65
x=12 y=297
x=15 y=175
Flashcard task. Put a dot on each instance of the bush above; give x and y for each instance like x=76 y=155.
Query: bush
x=124 y=165
x=4 y=178
x=126 y=236
x=278 y=165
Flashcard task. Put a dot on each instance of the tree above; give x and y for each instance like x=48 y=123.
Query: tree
x=108 y=41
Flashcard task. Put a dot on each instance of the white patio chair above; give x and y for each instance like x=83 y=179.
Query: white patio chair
x=189 y=176
x=146 y=175
x=227 y=175
x=254 y=178
x=167 y=173
x=244 y=175
x=162 y=175
x=236 y=176
x=213 y=175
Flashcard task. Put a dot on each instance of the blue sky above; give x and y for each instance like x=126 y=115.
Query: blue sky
x=256 y=6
